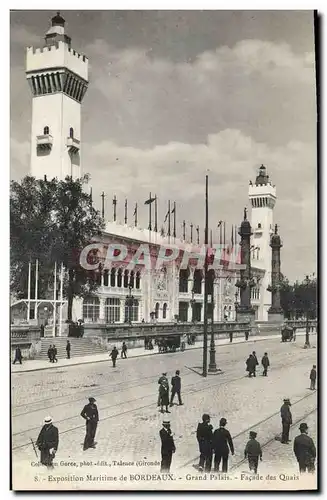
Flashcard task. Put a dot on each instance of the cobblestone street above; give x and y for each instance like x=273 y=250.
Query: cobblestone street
x=130 y=421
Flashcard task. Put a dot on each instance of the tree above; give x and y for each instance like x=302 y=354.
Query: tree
x=52 y=221
x=300 y=298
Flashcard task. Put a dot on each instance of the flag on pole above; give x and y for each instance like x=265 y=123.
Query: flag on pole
x=149 y=201
x=166 y=216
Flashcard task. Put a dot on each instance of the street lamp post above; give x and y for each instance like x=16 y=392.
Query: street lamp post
x=236 y=304
x=192 y=302
x=212 y=362
x=307 y=310
x=129 y=303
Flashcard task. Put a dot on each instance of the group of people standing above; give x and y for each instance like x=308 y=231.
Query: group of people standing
x=52 y=354
x=252 y=363
x=163 y=396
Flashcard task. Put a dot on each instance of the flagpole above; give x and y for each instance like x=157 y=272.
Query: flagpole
x=125 y=219
x=54 y=300
x=150 y=225
x=91 y=198
x=135 y=213
x=114 y=202
x=184 y=225
x=211 y=238
x=205 y=299
x=155 y=214
x=29 y=293
x=198 y=234
x=36 y=286
x=174 y=233
x=61 y=297
x=102 y=196
x=191 y=226
x=169 y=218
x=220 y=235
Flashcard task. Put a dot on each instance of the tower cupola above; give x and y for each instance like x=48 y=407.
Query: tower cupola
x=262 y=178
x=57 y=31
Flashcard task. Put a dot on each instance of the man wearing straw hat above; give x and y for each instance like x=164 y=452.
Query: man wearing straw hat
x=167 y=446
x=47 y=442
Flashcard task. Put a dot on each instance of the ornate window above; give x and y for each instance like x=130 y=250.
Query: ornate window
x=71 y=133
x=157 y=310
x=112 y=310
x=113 y=277
x=133 y=311
x=164 y=311
x=126 y=279
x=131 y=279
x=138 y=280
x=91 y=309
x=106 y=277
x=197 y=281
x=46 y=131
x=183 y=280
x=119 y=278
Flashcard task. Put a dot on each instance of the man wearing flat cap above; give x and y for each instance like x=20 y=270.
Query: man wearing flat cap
x=286 y=416
x=253 y=452
x=91 y=415
x=305 y=450
x=47 y=442
x=167 y=446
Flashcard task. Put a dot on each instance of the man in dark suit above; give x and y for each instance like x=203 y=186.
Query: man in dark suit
x=18 y=355
x=167 y=446
x=68 y=348
x=204 y=437
x=286 y=417
x=47 y=442
x=91 y=415
x=222 y=442
x=305 y=450
x=176 y=385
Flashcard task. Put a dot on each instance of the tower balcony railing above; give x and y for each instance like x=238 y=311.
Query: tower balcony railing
x=73 y=144
x=44 y=141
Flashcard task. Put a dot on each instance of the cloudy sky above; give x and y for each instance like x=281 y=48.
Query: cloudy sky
x=174 y=94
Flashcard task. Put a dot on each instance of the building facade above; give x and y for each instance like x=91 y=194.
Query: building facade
x=58 y=78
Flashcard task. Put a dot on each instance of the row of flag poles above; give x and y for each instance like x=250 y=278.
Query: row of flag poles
x=170 y=219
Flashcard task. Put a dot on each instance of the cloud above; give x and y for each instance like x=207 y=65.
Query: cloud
x=21 y=36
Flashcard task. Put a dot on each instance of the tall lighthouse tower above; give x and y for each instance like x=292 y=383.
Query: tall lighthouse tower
x=58 y=78
x=262 y=195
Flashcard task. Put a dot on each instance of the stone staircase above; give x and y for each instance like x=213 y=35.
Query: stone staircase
x=79 y=347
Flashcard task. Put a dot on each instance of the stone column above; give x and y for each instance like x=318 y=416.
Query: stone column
x=245 y=311
x=122 y=310
x=189 y=313
x=202 y=287
x=216 y=301
x=202 y=312
x=275 y=313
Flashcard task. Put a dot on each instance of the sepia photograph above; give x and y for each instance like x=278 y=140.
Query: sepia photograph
x=163 y=250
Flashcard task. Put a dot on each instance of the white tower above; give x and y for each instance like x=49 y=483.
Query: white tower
x=262 y=197
x=58 y=78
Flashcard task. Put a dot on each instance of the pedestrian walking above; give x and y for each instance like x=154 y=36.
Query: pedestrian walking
x=167 y=446
x=305 y=450
x=124 y=350
x=286 y=416
x=255 y=357
x=253 y=452
x=265 y=363
x=176 y=386
x=54 y=356
x=68 y=347
x=204 y=437
x=18 y=356
x=251 y=365
x=313 y=378
x=162 y=378
x=164 y=396
x=113 y=355
x=230 y=336
x=247 y=335
x=50 y=353
x=91 y=415
x=222 y=442
x=47 y=442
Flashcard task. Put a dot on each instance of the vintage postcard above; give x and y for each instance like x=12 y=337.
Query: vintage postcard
x=163 y=200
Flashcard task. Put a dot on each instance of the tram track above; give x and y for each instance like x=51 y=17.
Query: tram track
x=201 y=387
x=255 y=426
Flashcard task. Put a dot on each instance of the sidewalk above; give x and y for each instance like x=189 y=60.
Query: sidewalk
x=40 y=364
